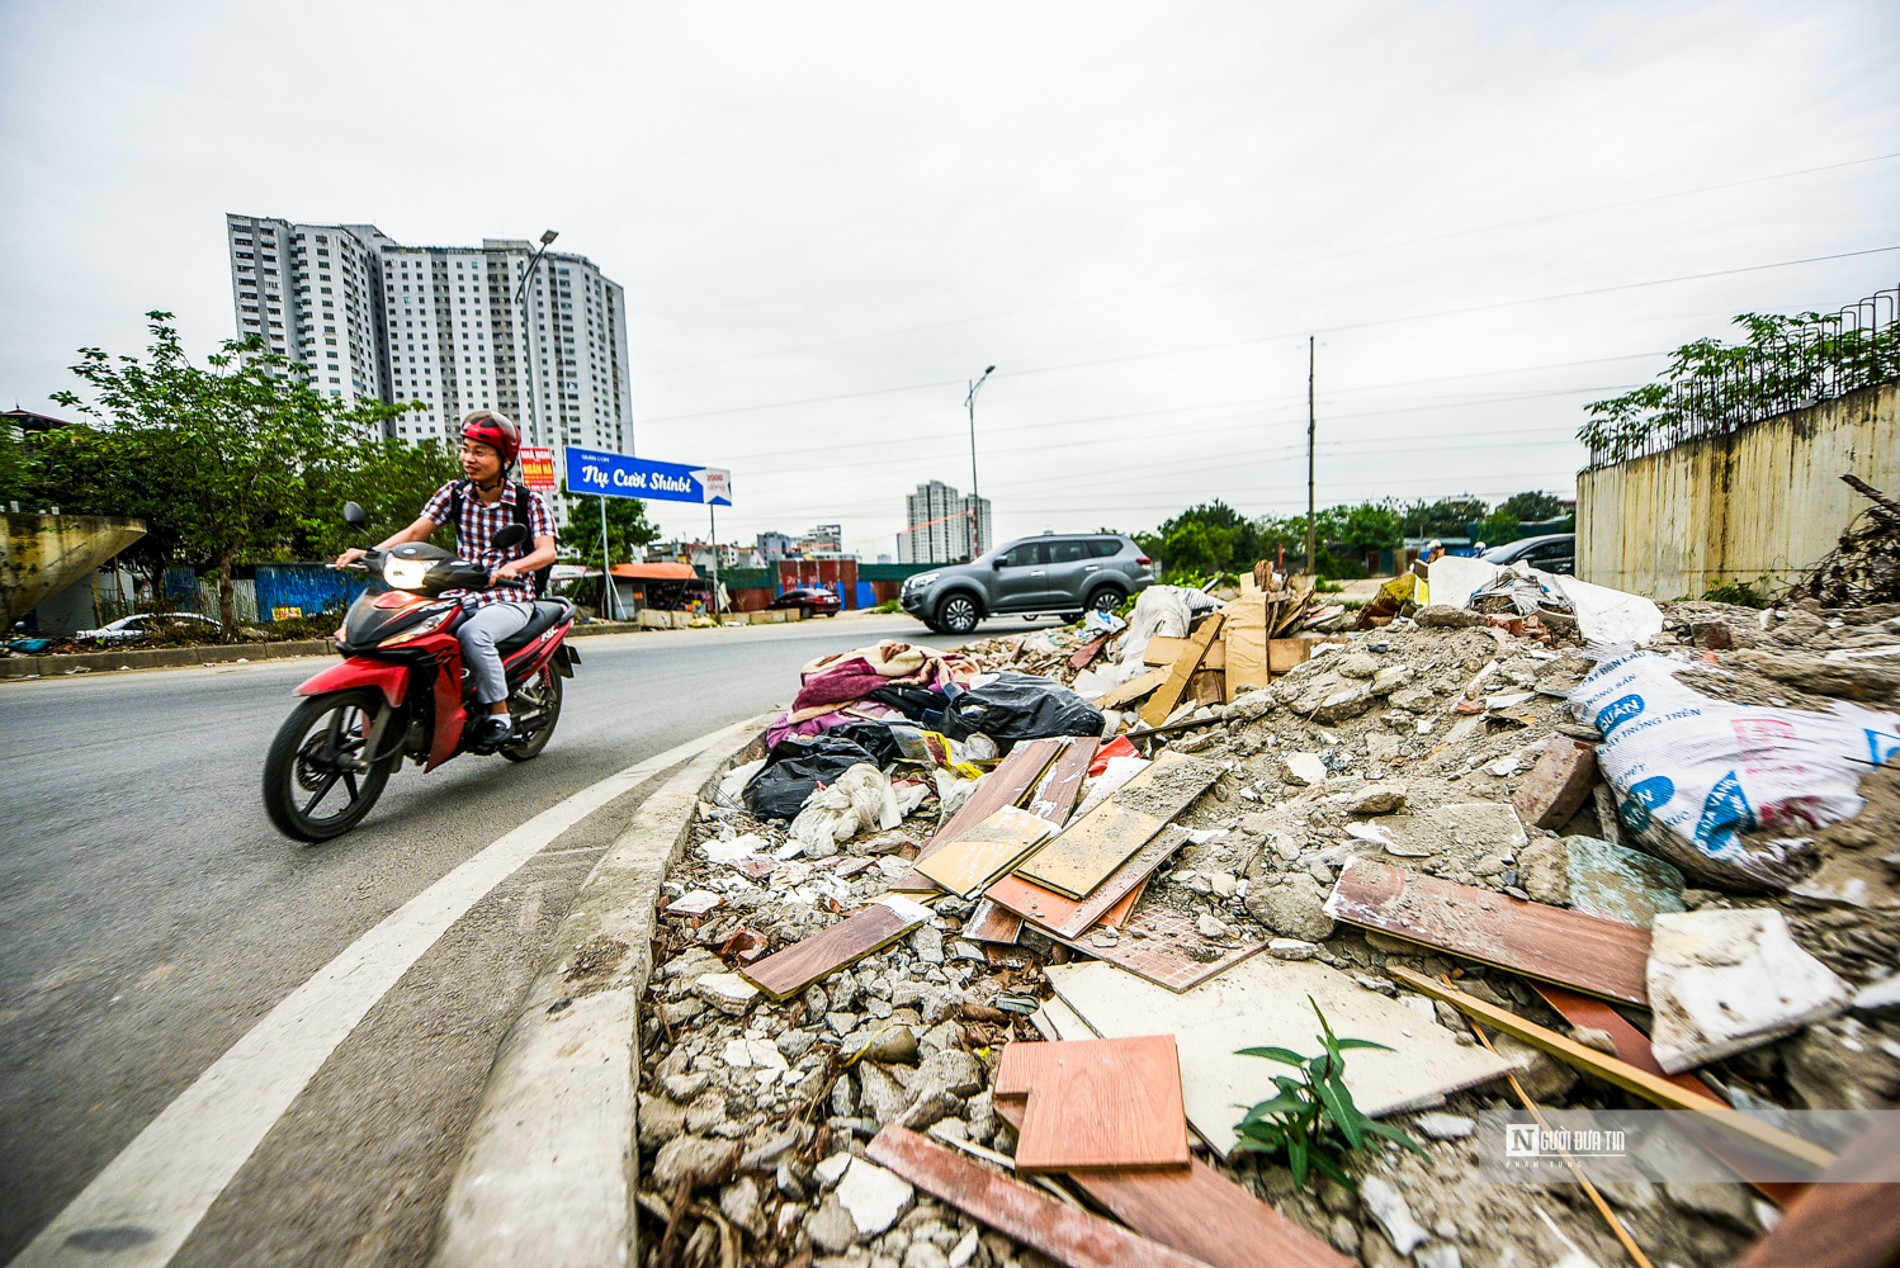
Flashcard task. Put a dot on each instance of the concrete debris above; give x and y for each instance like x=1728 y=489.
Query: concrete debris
x=1723 y=981
x=1439 y=739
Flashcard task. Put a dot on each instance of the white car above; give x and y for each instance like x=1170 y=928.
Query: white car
x=129 y=629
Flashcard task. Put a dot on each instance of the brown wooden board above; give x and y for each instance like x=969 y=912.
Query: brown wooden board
x=1071 y=918
x=1007 y=785
x=991 y=923
x=1054 y=799
x=1093 y=846
x=1598 y=957
x=1169 y=693
x=1085 y=655
x=1840 y=1224
x=1022 y=1214
x=1097 y=1103
x=1199 y=1212
x=1165 y=947
x=785 y=973
x=1132 y=690
x=1164 y=650
x=984 y=851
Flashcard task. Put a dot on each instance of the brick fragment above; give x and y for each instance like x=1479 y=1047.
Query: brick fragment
x=1558 y=784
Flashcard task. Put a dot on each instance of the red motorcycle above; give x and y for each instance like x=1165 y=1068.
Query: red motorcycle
x=401 y=690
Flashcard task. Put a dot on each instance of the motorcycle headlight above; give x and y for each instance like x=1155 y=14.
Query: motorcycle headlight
x=428 y=625
x=406 y=574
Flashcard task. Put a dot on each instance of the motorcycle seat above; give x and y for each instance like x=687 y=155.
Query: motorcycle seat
x=547 y=612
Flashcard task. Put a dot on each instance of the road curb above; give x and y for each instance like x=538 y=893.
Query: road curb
x=550 y=1171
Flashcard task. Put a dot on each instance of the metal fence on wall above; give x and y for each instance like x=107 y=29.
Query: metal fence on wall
x=1788 y=365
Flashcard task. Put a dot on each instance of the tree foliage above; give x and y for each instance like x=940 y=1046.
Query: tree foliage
x=222 y=458
x=628 y=530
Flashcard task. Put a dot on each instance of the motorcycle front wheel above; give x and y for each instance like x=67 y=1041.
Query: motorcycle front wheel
x=315 y=785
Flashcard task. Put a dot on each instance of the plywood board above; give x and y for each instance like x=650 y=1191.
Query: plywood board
x=1024 y=1215
x=984 y=851
x=1169 y=693
x=1199 y=1212
x=1132 y=690
x=785 y=973
x=1096 y=1103
x=1007 y=785
x=1167 y=948
x=1164 y=650
x=1094 y=845
x=1598 y=957
x=1262 y=1002
x=1054 y=799
x=1069 y=917
x=1244 y=637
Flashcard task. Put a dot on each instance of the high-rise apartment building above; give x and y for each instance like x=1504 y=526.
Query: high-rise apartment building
x=373 y=319
x=939 y=525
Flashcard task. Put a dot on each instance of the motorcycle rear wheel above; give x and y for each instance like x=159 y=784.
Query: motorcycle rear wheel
x=540 y=694
x=309 y=766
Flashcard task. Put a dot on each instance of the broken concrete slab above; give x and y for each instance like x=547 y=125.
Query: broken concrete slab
x=1620 y=884
x=1721 y=982
x=1264 y=1002
x=873 y=1197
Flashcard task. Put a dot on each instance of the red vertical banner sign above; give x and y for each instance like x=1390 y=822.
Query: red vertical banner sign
x=537 y=468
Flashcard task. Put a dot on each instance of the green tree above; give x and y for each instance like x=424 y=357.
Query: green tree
x=222 y=452
x=390 y=479
x=1447 y=517
x=628 y=531
x=1531 y=508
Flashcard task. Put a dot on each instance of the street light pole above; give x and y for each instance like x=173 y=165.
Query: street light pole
x=976 y=499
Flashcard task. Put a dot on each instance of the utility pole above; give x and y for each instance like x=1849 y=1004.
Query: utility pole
x=976 y=499
x=1312 y=525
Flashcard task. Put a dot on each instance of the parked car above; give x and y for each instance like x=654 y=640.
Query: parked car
x=142 y=624
x=811 y=600
x=1058 y=573
x=1555 y=552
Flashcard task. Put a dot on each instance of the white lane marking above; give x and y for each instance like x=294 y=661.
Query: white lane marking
x=143 y=1206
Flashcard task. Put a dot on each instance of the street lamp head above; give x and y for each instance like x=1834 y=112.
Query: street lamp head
x=547 y=238
x=989 y=369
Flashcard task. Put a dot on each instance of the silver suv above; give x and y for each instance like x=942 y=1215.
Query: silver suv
x=1057 y=573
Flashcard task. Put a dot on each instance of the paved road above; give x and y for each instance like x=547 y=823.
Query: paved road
x=150 y=916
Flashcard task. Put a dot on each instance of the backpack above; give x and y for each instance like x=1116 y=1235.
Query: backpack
x=538 y=579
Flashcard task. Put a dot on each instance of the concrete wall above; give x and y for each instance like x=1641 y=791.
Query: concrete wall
x=42 y=555
x=1766 y=502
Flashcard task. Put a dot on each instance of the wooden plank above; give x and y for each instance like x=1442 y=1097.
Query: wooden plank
x=1093 y=846
x=1085 y=655
x=1599 y=957
x=1071 y=918
x=785 y=973
x=1839 y=1223
x=1007 y=785
x=1624 y=1075
x=1208 y=686
x=1633 y=1046
x=1169 y=693
x=1199 y=1212
x=991 y=923
x=1054 y=799
x=1262 y=1002
x=1164 y=650
x=1097 y=1103
x=1025 y=1216
x=1132 y=690
x=984 y=851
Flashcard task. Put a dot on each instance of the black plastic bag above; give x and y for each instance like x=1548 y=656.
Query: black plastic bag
x=798 y=764
x=920 y=704
x=1013 y=707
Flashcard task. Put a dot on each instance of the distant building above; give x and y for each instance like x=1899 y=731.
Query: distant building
x=985 y=539
x=774 y=546
x=375 y=320
x=938 y=525
x=825 y=537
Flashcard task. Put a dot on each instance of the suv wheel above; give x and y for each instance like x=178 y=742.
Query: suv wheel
x=1107 y=599
x=958 y=614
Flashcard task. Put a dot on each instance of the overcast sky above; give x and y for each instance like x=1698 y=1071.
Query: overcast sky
x=827 y=217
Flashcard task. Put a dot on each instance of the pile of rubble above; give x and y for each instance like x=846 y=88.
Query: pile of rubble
x=1415 y=823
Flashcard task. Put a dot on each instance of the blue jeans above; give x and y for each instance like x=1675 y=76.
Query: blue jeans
x=479 y=634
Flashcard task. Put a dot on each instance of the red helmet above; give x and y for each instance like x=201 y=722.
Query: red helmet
x=496 y=431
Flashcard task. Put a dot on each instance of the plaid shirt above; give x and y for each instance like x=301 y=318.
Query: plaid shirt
x=479 y=523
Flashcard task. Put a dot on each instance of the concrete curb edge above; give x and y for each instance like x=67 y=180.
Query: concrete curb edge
x=549 y=1171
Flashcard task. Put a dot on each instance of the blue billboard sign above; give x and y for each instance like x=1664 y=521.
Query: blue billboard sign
x=618 y=476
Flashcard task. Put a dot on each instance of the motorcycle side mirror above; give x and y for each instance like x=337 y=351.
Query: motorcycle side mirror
x=355 y=515
x=510 y=537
